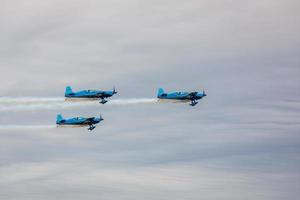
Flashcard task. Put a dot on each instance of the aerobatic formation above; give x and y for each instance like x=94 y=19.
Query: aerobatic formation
x=101 y=96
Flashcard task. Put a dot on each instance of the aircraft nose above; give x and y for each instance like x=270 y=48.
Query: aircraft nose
x=114 y=91
x=204 y=94
x=100 y=118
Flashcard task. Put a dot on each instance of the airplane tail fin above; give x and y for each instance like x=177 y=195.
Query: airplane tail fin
x=68 y=90
x=59 y=118
x=160 y=92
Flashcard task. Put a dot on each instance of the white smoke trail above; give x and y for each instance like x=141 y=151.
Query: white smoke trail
x=132 y=101
x=25 y=127
x=12 y=100
x=41 y=106
x=56 y=103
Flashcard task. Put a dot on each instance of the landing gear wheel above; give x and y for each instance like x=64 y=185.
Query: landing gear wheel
x=91 y=128
x=193 y=103
x=103 y=101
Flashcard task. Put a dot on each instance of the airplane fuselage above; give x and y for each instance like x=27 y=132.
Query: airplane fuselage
x=180 y=96
x=90 y=94
x=80 y=121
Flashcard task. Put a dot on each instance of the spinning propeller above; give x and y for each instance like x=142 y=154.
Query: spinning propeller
x=101 y=118
x=114 y=91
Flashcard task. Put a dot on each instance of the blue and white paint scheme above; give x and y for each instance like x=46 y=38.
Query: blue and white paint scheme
x=78 y=121
x=181 y=96
x=89 y=94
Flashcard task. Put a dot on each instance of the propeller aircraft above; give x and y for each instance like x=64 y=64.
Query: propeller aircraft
x=181 y=96
x=89 y=94
x=79 y=121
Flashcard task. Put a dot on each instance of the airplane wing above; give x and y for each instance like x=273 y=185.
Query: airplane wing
x=100 y=95
x=192 y=95
x=89 y=120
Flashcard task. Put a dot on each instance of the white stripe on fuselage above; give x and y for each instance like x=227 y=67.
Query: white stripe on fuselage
x=174 y=100
x=81 y=99
x=71 y=125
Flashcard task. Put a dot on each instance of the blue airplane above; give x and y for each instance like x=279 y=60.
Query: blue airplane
x=181 y=96
x=78 y=121
x=89 y=94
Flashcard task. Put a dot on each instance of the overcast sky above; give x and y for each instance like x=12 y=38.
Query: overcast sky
x=240 y=142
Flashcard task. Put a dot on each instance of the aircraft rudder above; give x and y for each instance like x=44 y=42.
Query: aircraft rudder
x=59 y=117
x=160 y=91
x=68 y=90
